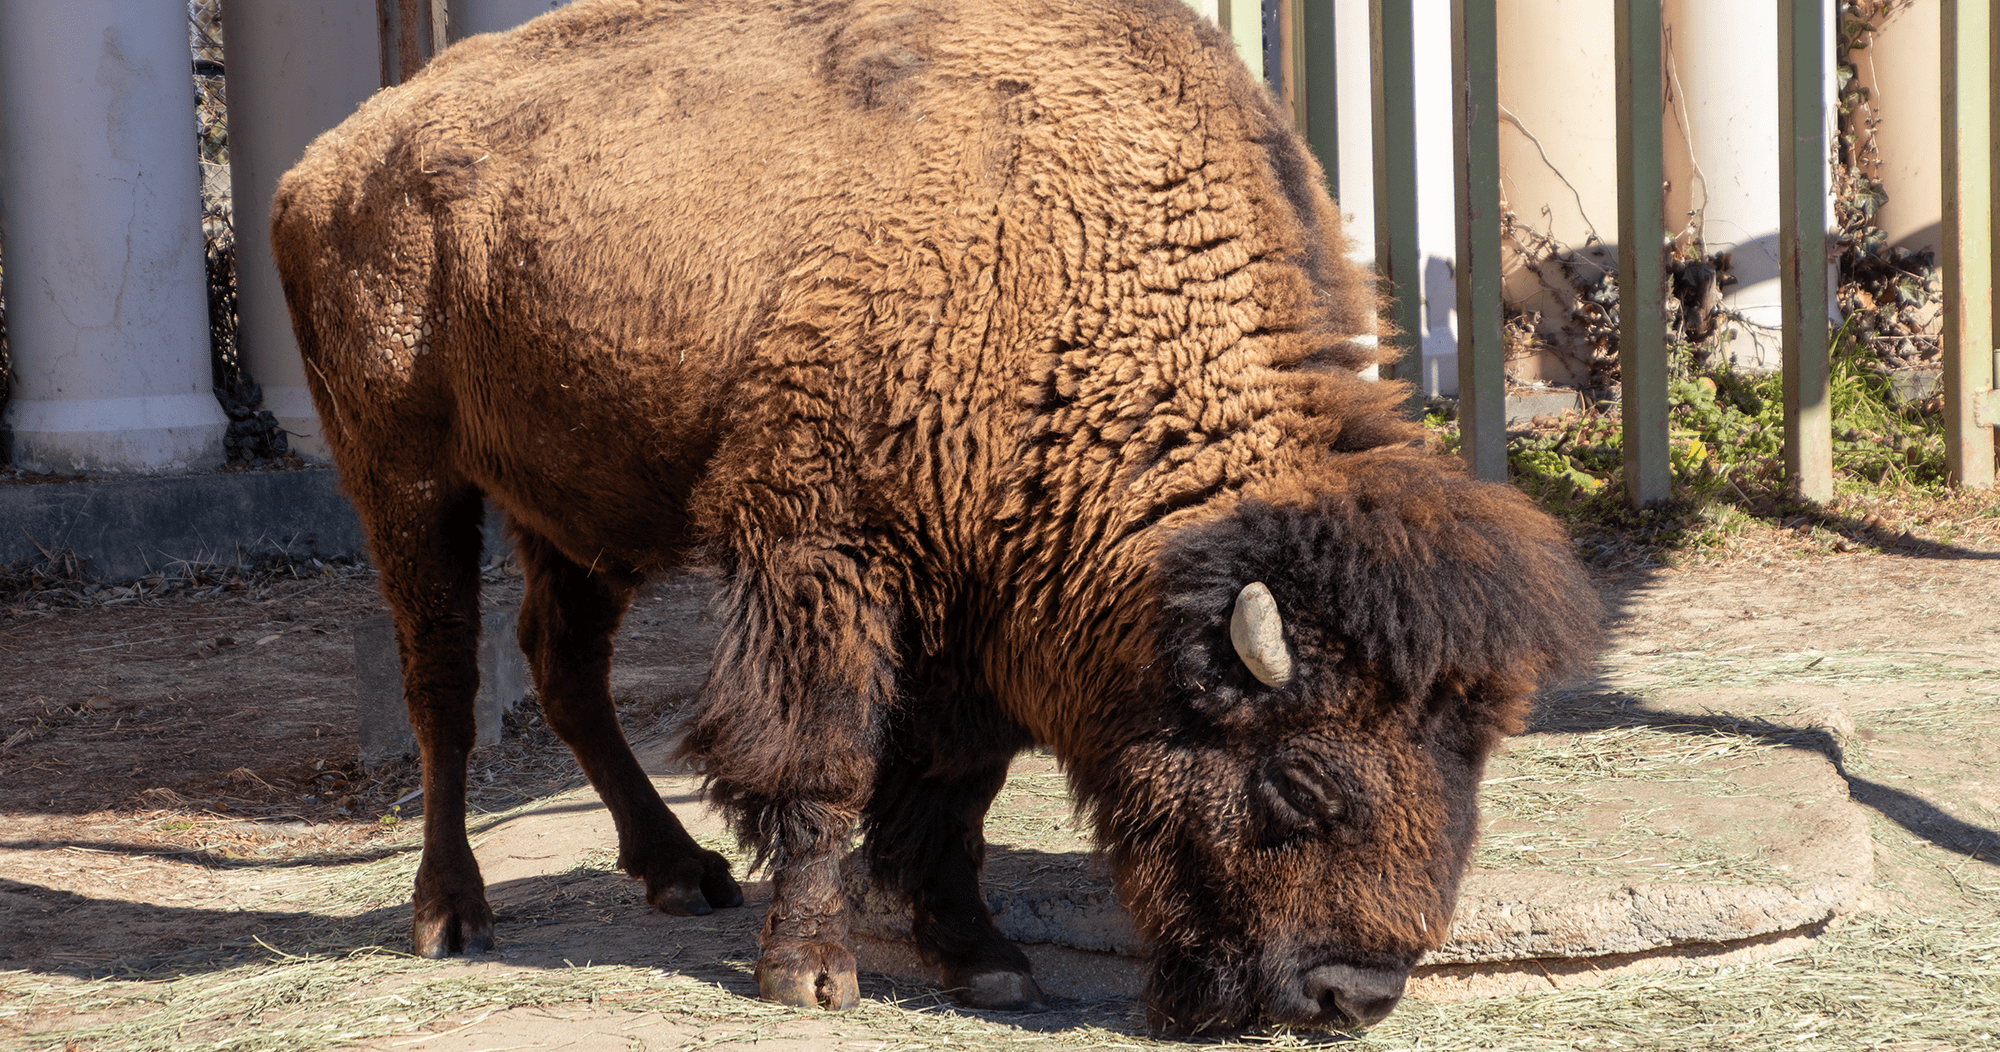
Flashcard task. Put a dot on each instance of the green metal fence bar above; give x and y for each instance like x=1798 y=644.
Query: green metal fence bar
x=1482 y=393
x=1393 y=80
x=1642 y=276
x=1243 y=20
x=1314 y=92
x=1802 y=156
x=1971 y=408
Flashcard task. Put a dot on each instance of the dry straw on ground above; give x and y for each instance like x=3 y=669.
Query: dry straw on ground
x=1880 y=982
x=1892 y=981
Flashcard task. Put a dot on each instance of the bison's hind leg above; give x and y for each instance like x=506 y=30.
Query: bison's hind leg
x=423 y=528
x=568 y=619
x=925 y=827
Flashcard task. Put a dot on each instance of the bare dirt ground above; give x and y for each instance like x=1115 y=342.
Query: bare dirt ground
x=189 y=856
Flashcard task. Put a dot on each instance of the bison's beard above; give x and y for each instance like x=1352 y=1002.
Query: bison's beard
x=1191 y=993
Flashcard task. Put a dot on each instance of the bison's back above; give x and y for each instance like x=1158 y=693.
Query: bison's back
x=621 y=216
x=654 y=170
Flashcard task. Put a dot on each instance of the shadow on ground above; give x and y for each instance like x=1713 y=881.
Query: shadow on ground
x=1585 y=711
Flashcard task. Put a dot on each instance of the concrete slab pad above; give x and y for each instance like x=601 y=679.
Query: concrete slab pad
x=1710 y=857
x=1524 y=407
x=385 y=731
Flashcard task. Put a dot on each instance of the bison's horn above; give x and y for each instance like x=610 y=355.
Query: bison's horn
x=1259 y=635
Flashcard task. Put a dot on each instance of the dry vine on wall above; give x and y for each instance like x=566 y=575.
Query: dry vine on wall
x=1888 y=294
x=254 y=437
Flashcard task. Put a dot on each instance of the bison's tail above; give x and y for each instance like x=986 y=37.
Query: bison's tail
x=303 y=248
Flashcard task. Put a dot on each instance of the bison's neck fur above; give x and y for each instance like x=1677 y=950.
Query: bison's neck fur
x=1091 y=317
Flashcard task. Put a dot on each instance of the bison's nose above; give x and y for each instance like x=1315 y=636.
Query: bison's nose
x=1363 y=996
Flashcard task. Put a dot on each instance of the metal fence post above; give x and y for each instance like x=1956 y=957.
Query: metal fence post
x=1967 y=75
x=1802 y=156
x=1397 y=263
x=1642 y=329
x=1243 y=20
x=1315 y=91
x=1482 y=393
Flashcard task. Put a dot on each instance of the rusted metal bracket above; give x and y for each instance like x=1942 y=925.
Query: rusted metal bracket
x=1986 y=409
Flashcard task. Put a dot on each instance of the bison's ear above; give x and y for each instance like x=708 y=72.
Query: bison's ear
x=1259 y=635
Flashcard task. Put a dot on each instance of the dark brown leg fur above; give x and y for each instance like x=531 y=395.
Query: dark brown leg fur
x=568 y=619
x=926 y=839
x=806 y=961
x=430 y=577
x=787 y=735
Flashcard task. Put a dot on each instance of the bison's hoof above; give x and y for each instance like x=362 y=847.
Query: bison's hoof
x=809 y=974
x=445 y=932
x=692 y=886
x=1006 y=991
x=718 y=888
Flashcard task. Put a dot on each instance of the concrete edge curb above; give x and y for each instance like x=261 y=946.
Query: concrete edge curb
x=127 y=528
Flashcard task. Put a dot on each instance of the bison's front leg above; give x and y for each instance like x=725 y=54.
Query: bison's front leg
x=787 y=733
x=926 y=840
x=806 y=961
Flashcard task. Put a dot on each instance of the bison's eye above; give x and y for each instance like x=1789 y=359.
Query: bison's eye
x=1299 y=798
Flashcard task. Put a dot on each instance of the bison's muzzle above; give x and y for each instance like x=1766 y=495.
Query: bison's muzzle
x=1341 y=995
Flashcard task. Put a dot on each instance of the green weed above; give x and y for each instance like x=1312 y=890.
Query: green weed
x=1727 y=462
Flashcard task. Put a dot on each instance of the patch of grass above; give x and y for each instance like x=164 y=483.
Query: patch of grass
x=1654 y=753
x=1034 y=807
x=319 y=1000
x=1886 y=981
x=1542 y=785
x=1702 y=669
x=1879 y=982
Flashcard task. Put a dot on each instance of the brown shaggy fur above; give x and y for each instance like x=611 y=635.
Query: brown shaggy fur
x=990 y=348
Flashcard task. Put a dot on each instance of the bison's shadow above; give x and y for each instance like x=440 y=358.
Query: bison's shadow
x=586 y=916
x=1584 y=709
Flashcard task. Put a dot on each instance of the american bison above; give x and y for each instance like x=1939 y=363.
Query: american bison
x=1004 y=357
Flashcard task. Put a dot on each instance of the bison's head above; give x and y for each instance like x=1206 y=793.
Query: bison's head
x=1292 y=806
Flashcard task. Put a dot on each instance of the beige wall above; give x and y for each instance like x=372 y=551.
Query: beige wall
x=1558 y=146
x=1558 y=157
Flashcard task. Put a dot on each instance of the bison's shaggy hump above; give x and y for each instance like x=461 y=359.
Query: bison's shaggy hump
x=991 y=348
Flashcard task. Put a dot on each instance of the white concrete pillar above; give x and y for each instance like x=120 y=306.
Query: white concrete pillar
x=1437 y=230
x=1722 y=153
x=469 y=17
x=1900 y=71
x=1558 y=164
x=295 y=68
x=106 y=288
